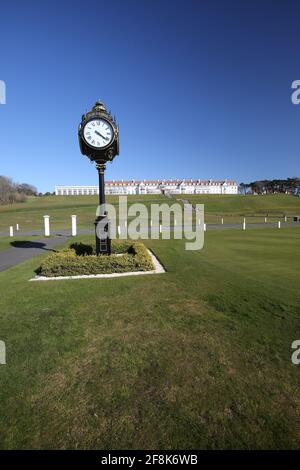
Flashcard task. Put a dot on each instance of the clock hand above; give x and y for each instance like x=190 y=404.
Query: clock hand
x=105 y=138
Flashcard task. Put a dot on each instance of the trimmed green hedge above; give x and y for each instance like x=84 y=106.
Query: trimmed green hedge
x=79 y=259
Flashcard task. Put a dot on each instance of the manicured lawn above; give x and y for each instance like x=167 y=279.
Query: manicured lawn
x=29 y=215
x=198 y=357
x=233 y=208
x=275 y=204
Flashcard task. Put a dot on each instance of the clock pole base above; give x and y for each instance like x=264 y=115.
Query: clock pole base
x=103 y=241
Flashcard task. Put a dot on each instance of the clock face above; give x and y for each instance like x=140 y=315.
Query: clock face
x=98 y=133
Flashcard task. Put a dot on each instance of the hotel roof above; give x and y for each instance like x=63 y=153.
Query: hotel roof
x=176 y=182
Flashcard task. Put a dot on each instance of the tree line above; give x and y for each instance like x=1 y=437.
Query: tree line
x=15 y=192
x=286 y=186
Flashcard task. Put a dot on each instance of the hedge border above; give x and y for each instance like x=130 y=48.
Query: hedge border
x=134 y=257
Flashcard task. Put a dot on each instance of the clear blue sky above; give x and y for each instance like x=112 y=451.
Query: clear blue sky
x=199 y=88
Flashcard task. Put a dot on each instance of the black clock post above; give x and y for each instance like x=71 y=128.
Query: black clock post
x=98 y=135
x=103 y=243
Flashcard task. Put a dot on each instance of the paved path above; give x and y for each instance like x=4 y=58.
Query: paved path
x=23 y=250
x=67 y=232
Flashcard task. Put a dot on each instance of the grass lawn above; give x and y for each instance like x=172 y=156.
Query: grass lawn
x=198 y=357
x=276 y=204
x=29 y=215
x=233 y=208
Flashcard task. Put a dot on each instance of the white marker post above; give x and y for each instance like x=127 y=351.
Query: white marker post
x=160 y=228
x=119 y=230
x=285 y=218
x=11 y=231
x=265 y=220
x=74 y=225
x=222 y=221
x=244 y=224
x=279 y=224
x=204 y=227
x=47 y=225
x=17 y=226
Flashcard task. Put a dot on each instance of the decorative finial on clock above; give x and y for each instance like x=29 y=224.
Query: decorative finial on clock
x=99 y=105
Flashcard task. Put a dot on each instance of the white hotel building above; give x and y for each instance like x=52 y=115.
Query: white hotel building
x=131 y=187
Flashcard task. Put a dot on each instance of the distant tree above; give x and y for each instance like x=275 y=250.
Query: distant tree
x=7 y=190
x=287 y=186
x=12 y=192
x=293 y=184
x=257 y=187
x=244 y=188
x=27 y=189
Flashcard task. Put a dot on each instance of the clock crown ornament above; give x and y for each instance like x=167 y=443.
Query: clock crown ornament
x=99 y=106
x=98 y=134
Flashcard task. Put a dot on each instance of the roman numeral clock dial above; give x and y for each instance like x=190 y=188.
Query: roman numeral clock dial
x=98 y=133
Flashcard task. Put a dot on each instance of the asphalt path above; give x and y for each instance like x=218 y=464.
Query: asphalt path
x=23 y=250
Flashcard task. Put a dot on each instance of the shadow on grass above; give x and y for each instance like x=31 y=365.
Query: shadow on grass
x=30 y=244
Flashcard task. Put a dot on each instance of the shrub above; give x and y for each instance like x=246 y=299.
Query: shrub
x=117 y=246
x=82 y=249
x=79 y=259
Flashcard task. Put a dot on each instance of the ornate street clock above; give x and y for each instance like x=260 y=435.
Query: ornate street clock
x=98 y=135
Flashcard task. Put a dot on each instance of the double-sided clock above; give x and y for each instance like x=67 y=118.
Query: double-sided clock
x=99 y=134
